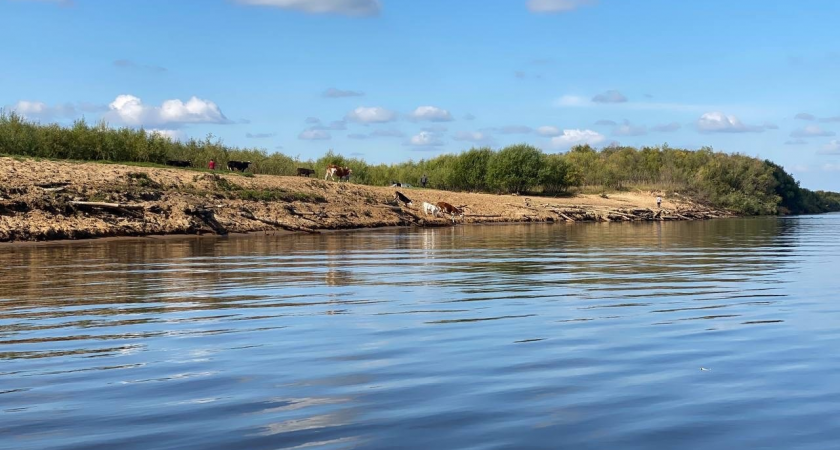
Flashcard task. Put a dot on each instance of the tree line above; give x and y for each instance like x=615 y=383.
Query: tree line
x=741 y=183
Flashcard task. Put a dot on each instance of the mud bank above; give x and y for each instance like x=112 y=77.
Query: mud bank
x=49 y=200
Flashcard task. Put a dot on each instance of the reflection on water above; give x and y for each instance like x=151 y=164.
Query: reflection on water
x=532 y=336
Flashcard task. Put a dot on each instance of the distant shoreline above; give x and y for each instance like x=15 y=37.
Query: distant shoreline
x=70 y=201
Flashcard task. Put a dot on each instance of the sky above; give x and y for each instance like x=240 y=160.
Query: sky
x=392 y=80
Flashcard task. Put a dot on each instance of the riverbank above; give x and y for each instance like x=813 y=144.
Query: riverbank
x=52 y=200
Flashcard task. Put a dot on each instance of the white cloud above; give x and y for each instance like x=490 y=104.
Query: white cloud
x=473 y=136
x=667 y=127
x=469 y=116
x=770 y=126
x=811 y=131
x=570 y=138
x=796 y=142
x=829 y=167
x=334 y=125
x=513 y=129
x=571 y=100
x=425 y=139
x=314 y=135
x=611 y=96
x=557 y=6
x=804 y=116
x=40 y=110
x=341 y=7
x=339 y=93
x=175 y=135
x=374 y=114
x=431 y=114
x=357 y=136
x=260 y=135
x=798 y=168
x=549 y=131
x=311 y=120
x=606 y=123
x=131 y=111
x=628 y=129
x=717 y=122
x=832 y=148
x=387 y=133
x=830 y=119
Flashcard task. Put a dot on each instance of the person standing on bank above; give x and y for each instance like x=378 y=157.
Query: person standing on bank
x=659 y=202
x=212 y=165
x=424 y=180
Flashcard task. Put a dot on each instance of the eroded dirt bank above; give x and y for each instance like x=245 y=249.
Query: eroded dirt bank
x=47 y=200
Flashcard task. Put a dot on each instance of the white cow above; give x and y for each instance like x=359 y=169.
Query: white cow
x=429 y=208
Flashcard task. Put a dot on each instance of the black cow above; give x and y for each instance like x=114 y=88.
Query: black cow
x=178 y=163
x=238 y=165
x=402 y=198
x=304 y=172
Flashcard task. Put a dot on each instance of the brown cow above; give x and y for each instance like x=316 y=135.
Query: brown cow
x=451 y=210
x=343 y=173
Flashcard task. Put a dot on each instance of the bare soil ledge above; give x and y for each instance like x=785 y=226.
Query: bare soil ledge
x=49 y=200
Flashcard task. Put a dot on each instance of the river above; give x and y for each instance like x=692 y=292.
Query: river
x=692 y=335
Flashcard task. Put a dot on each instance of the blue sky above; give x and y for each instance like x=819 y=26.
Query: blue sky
x=390 y=80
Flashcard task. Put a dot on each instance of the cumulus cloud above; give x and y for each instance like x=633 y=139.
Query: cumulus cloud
x=832 y=148
x=611 y=96
x=339 y=93
x=431 y=114
x=628 y=129
x=571 y=100
x=259 y=135
x=811 y=131
x=353 y=8
x=131 y=65
x=131 y=111
x=388 y=133
x=175 y=135
x=796 y=142
x=804 y=116
x=549 y=131
x=666 y=127
x=606 y=123
x=513 y=129
x=39 y=110
x=374 y=114
x=314 y=135
x=477 y=137
x=334 y=125
x=557 y=6
x=425 y=139
x=574 y=137
x=717 y=122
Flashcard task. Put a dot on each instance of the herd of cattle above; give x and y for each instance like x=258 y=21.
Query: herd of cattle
x=343 y=173
x=233 y=166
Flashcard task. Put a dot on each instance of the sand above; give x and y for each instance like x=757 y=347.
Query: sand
x=50 y=200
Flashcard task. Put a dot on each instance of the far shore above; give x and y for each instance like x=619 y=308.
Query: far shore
x=57 y=200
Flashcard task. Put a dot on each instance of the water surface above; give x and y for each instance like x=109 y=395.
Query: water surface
x=584 y=336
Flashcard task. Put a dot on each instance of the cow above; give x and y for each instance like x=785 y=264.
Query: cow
x=178 y=163
x=241 y=166
x=429 y=208
x=304 y=172
x=398 y=196
x=343 y=173
x=451 y=210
